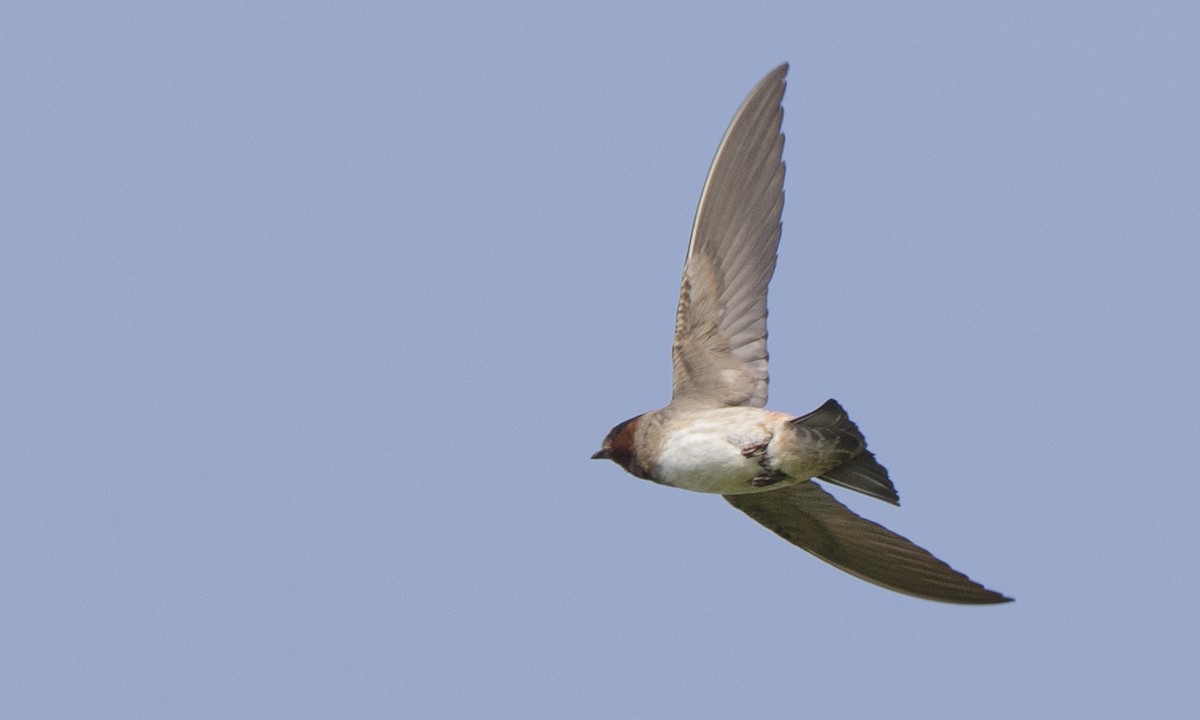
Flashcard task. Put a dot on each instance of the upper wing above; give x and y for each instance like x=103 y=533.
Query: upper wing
x=808 y=517
x=720 y=352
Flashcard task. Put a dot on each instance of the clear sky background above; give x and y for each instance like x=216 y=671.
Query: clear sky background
x=312 y=313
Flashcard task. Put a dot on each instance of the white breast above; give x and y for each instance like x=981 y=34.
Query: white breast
x=703 y=451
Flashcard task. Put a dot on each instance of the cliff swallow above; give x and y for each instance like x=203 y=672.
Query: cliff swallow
x=715 y=435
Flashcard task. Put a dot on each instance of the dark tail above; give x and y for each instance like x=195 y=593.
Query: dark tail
x=861 y=471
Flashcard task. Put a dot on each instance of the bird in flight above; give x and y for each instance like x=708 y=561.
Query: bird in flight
x=715 y=435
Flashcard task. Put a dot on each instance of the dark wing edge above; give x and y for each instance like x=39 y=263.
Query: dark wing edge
x=810 y=518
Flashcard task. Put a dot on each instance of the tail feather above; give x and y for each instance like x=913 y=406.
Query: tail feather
x=860 y=471
x=864 y=474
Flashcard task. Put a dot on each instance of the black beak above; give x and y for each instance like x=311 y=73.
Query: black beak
x=601 y=455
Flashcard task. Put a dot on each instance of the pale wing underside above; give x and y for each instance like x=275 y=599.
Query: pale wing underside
x=810 y=518
x=720 y=352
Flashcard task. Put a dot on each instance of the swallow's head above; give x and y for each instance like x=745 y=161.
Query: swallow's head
x=620 y=446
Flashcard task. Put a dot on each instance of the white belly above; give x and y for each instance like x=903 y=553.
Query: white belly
x=705 y=455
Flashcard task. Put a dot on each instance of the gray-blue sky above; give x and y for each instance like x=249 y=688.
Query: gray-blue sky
x=312 y=316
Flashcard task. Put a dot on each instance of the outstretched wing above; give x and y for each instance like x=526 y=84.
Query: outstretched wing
x=808 y=517
x=720 y=352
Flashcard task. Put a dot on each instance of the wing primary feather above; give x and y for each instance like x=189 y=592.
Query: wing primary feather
x=720 y=349
x=810 y=518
